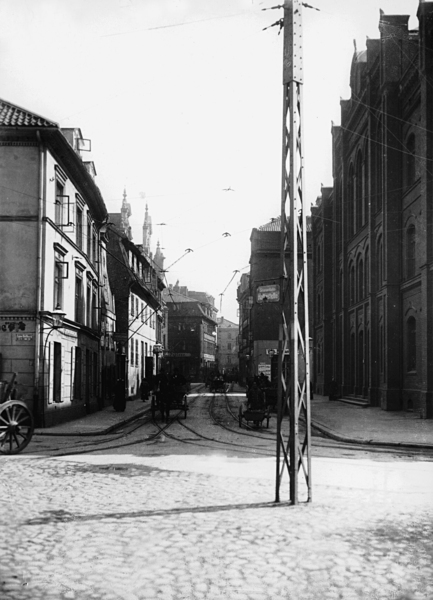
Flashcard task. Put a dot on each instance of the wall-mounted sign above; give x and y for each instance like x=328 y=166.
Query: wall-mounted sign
x=24 y=337
x=268 y=293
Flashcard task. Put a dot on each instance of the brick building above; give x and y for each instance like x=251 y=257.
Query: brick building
x=373 y=231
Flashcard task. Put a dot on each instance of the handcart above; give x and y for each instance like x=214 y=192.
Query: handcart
x=256 y=416
x=16 y=421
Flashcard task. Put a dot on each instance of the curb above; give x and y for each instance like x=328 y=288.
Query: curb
x=105 y=431
x=363 y=442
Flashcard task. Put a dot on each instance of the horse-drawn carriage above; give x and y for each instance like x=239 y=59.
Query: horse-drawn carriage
x=16 y=421
x=169 y=397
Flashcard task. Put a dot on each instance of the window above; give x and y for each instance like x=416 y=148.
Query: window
x=132 y=306
x=94 y=247
x=360 y=279
x=142 y=312
x=379 y=263
x=410 y=160
x=352 y=284
x=410 y=251
x=77 y=374
x=89 y=306
x=78 y=298
x=137 y=312
x=411 y=344
x=136 y=353
x=79 y=232
x=229 y=346
x=94 y=310
x=89 y=239
x=57 y=375
x=132 y=353
x=59 y=267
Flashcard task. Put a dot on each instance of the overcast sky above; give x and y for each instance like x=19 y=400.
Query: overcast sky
x=182 y=99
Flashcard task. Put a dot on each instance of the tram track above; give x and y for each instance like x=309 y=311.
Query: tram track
x=118 y=438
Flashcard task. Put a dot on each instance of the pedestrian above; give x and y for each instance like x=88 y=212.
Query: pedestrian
x=144 y=389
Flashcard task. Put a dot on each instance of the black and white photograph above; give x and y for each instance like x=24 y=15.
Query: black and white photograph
x=216 y=300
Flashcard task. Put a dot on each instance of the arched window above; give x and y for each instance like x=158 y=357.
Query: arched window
x=360 y=279
x=379 y=262
x=410 y=160
x=352 y=284
x=359 y=196
x=367 y=273
x=351 y=202
x=410 y=251
x=411 y=344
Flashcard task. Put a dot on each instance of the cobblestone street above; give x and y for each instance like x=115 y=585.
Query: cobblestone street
x=178 y=527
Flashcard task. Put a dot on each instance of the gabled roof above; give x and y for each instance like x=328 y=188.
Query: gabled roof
x=14 y=116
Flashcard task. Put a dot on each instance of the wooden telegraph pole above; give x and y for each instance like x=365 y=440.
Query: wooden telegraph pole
x=293 y=447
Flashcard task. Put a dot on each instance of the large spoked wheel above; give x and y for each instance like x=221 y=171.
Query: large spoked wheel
x=185 y=405
x=16 y=427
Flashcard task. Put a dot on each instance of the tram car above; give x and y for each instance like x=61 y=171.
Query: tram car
x=217 y=385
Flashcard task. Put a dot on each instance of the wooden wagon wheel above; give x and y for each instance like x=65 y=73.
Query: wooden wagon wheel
x=16 y=427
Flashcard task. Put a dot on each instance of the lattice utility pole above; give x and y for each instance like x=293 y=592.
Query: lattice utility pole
x=293 y=448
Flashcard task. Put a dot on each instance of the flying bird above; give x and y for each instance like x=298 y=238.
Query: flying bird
x=226 y=234
x=229 y=189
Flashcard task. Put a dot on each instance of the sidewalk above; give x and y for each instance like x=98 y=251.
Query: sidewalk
x=104 y=421
x=350 y=423
x=354 y=424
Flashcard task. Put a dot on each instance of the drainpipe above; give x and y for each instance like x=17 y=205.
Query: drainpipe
x=38 y=402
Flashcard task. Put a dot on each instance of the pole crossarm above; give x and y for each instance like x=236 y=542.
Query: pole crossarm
x=293 y=446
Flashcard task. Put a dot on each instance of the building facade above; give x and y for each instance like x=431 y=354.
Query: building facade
x=51 y=214
x=137 y=283
x=192 y=325
x=260 y=303
x=227 y=347
x=372 y=232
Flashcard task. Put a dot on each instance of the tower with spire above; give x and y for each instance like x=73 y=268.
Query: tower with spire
x=147 y=233
x=125 y=213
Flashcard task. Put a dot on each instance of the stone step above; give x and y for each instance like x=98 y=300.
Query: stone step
x=355 y=401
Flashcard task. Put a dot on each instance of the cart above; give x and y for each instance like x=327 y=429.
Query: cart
x=174 y=398
x=217 y=386
x=16 y=421
x=256 y=415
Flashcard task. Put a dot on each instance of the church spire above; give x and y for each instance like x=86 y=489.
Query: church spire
x=125 y=213
x=147 y=232
x=159 y=257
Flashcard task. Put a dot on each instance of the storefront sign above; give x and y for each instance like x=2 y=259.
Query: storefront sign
x=24 y=337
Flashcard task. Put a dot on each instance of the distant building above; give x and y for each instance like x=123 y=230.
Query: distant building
x=191 y=332
x=51 y=215
x=259 y=297
x=372 y=232
x=137 y=284
x=227 y=343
